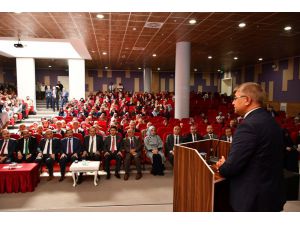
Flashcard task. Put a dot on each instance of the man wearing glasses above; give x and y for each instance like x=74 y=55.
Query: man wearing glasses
x=254 y=166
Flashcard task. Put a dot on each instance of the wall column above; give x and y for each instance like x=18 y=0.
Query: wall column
x=26 y=85
x=182 y=80
x=147 y=79
x=76 y=78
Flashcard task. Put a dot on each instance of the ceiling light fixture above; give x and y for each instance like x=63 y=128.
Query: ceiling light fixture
x=134 y=28
x=106 y=67
x=235 y=58
x=209 y=57
x=195 y=70
x=104 y=53
x=154 y=55
x=139 y=68
x=287 y=28
x=100 y=16
x=260 y=59
x=219 y=70
x=242 y=25
x=158 y=68
x=192 y=21
x=49 y=66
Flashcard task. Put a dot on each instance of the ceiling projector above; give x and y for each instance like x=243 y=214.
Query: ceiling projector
x=18 y=45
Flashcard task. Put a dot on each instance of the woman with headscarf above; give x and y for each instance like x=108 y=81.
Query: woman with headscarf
x=154 y=145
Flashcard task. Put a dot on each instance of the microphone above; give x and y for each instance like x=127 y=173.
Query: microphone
x=215 y=157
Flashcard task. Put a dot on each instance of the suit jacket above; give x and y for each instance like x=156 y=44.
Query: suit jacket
x=76 y=145
x=224 y=138
x=56 y=146
x=214 y=136
x=11 y=148
x=189 y=138
x=255 y=164
x=62 y=132
x=80 y=131
x=137 y=145
x=107 y=143
x=32 y=145
x=170 y=143
x=99 y=142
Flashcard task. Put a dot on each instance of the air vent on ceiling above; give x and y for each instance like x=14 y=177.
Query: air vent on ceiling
x=138 y=48
x=153 y=25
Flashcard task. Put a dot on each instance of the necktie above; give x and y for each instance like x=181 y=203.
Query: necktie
x=69 y=146
x=26 y=147
x=113 y=147
x=3 y=147
x=92 y=145
x=48 y=147
x=131 y=143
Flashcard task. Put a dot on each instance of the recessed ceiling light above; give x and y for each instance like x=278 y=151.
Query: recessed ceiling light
x=287 y=28
x=104 y=53
x=134 y=28
x=260 y=59
x=242 y=25
x=154 y=55
x=219 y=70
x=235 y=58
x=158 y=68
x=106 y=67
x=209 y=57
x=100 y=16
x=195 y=70
x=192 y=21
x=49 y=66
x=139 y=68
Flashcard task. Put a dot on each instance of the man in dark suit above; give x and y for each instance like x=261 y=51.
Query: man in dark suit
x=171 y=140
x=227 y=136
x=132 y=146
x=70 y=151
x=254 y=166
x=48 y=149
x=210 y=133
x=93 y=146
x=27 y=148
x=193 y=135
x=112 y=150
x=7 y=147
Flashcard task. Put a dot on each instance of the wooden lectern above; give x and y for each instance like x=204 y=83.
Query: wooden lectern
x=198 y=187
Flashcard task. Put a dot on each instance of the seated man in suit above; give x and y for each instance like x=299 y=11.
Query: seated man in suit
x=7 y=147
x=210 y=133
x=93 y=146
x=171 y=140
x=77 y=128
x=59 y=129
x=70 y=151
x=48 y=149
x=227 y=136
x=112 y=147
x=193 y=135
x=26 y=148
x=132 y=146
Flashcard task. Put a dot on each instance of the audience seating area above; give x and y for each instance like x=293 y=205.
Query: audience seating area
x=140 y=110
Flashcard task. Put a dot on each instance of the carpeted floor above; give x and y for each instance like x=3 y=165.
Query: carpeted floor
x=151 y=193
